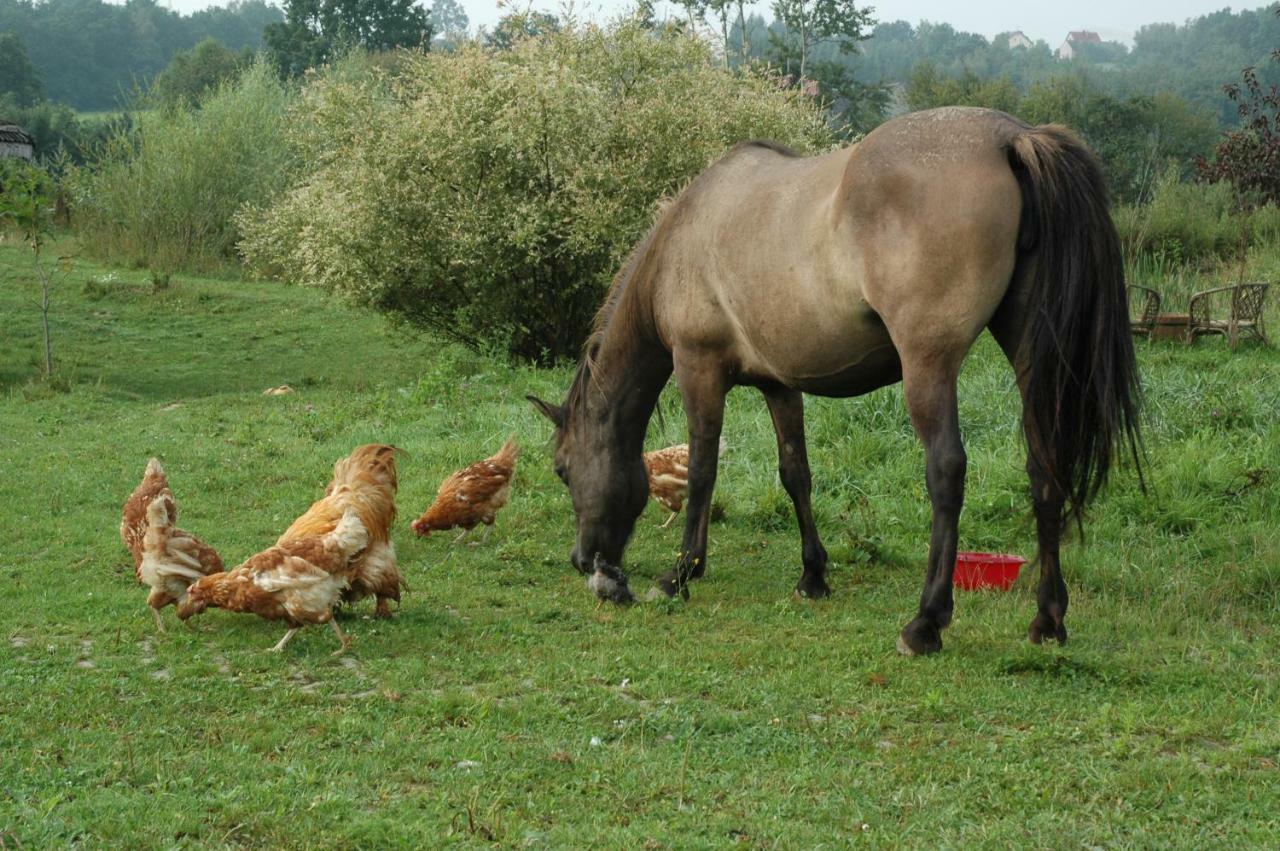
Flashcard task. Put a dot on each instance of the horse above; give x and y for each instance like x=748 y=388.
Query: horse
x=845 y=272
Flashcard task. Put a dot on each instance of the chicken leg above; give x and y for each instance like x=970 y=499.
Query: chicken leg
x=279 y=648
x=669 y=519
x=159 y=620
x=342 y=636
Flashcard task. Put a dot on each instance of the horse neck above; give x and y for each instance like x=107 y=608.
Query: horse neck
x=631 y=368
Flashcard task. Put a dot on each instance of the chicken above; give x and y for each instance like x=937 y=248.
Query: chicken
x=472 y=495
x=668 y=471
x=133 y=523
x=298 y=581
x=364 y=481
x=171 y=558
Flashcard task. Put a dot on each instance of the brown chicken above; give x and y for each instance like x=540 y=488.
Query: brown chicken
x=298 y=582
x=472 y=495
x=171 y=558
x=133 y=523
x=668 y=471
x=364 y=481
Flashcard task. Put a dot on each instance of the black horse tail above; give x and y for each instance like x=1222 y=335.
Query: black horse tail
x=1081 y=393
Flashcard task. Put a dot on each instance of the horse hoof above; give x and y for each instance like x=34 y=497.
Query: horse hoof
x=920 y=638
x=670 y=584
x=813 y=589
x=1043 y=626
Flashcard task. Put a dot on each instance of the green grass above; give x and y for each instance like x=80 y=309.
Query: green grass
x=502 y=706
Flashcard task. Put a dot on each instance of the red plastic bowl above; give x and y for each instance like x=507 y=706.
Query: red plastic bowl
x=975 y=571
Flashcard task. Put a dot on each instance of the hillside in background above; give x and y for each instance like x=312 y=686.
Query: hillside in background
x=87 y=53
x=1191 y=60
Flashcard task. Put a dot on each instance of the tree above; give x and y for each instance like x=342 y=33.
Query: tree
x=314 y=31
x=194 y=73
x=450 y=20
x=516 y=26
x=929 y=88
x=18 y=77
x=493 y=194
x=809 y=23
x=27 y=196
x=1249 y=158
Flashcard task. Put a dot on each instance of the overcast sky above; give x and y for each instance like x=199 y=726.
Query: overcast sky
x=1113 y=19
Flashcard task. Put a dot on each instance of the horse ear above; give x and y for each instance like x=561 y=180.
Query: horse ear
x=555 y=413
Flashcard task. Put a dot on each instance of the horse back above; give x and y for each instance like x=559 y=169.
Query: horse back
x=816 y=271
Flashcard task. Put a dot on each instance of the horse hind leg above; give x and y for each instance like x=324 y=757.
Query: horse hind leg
x=1046 y=499
x=1051 y=595
x=702 y=387
x=931 y=401
x=786 y=408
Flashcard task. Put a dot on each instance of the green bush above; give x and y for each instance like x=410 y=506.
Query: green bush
x=491 y=194
x=1193 y=224
x=164 y=192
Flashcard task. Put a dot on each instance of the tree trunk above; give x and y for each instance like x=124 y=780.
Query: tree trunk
x=44 y=321
x=724 y=34
x=745 y=49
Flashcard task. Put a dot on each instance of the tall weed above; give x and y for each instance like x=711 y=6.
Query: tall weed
x=164 y=193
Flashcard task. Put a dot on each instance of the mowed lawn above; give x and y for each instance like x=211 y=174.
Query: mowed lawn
x=503 y=706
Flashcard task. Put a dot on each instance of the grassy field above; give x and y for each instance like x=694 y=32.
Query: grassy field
x=502 y=706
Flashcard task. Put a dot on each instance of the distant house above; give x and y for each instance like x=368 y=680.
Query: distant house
x=1018 y=38
x=1074 y=40
x=16 y=142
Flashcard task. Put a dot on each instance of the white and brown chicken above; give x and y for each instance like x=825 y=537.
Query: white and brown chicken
x=668 y=471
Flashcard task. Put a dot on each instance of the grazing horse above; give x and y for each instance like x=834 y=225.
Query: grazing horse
x=842 y=273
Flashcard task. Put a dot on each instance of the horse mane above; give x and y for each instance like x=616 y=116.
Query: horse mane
x=631 y=313
x=768 y=145
x=618 y=314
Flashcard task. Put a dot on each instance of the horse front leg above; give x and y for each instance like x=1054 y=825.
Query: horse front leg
x=703 y=388
x=786 y=408
x=931 y=400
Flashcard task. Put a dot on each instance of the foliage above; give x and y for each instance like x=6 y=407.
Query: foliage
x=92 y=52
x=449 y=20
x=1187 y=60
x=164 y=192
x=491 y=195
x=55 y=129
x=27 y=202
x=1193 y=224
x=316 y=31
x=500 y=708
x=809 y=23
x=192 y=74
x=517 y=26
x=1136 y=138
x=1249 y=158
x=19 y=79
x=928 y=88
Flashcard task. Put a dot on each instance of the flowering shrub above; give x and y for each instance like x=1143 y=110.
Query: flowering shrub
x=490 y=195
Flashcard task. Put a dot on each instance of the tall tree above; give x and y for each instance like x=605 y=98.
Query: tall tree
x=18 y=77
x=193 y=73
x=314 y=30
x=809 y=23
x=449 y=19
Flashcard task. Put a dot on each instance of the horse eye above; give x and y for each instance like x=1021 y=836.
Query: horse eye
x=562 y=473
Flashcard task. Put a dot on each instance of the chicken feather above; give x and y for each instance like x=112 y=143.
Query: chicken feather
x=473 y=495
x=668 y=471
x=365 y=481
x=171 y=558
x=298 y=581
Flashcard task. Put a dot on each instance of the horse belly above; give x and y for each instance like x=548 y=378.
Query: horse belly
x=831 y=353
